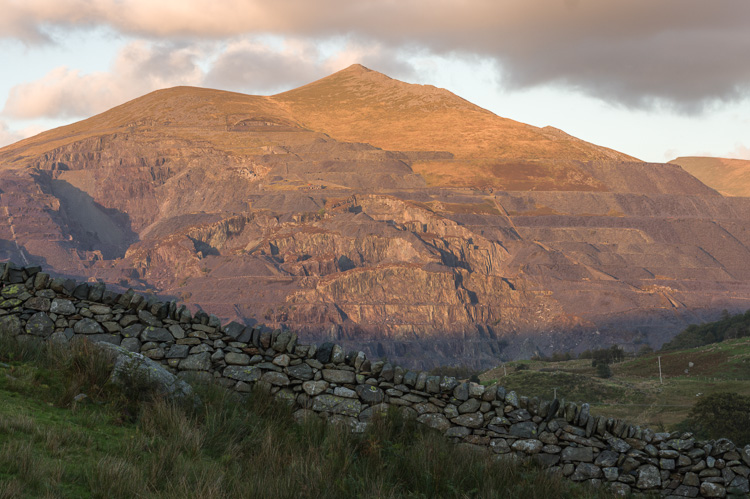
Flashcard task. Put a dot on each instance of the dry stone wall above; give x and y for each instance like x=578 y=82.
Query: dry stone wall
x=346 y=387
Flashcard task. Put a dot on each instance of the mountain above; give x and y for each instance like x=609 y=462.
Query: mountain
x=397 y=218
x=731 y=177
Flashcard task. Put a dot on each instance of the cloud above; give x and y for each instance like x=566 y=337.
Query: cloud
x=247 y=65
x=740 y=152
x=138 y=69
x=255 y=67
x=685 y=54
x=8 y=136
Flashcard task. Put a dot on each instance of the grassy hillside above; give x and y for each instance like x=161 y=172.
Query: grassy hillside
x=120 y=443
x=634 y=392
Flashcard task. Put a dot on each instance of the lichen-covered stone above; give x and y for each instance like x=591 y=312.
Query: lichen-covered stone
x=196 y=362
x=276 y=379
x=370 y=394
x=300 y=371
x=87 y=326
x=248 y=374
x=237 y=359
x=157 y=334
x=473 y=420
x=337 y=405
x=10 y=325
x=40 y=324
x=527 y=446
x=649 y=477
x=314 y=388
x=436 y=421
x=339 y=376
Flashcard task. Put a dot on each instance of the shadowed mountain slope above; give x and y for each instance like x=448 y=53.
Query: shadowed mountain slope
x=398 y=218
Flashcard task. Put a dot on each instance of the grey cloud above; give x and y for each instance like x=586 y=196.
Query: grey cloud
x=254 y=68
x=681 y=53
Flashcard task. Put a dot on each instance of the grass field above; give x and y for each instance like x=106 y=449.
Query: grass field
x=111 y=446
x=634 y=392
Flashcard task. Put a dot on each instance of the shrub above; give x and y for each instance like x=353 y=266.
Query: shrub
x=603 y=370
x=720 y=415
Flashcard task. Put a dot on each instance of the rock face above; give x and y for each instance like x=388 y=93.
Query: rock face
x=350 y=390
x=392 y=218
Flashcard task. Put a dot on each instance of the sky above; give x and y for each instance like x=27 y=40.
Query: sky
x=655 y=79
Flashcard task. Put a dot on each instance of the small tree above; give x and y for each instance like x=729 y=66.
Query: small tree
x=720 y=415
x=603 y=370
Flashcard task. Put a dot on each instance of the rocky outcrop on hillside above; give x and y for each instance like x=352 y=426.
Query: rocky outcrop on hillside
x=397 y=219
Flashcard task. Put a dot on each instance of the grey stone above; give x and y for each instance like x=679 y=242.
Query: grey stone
x=114 y=339
x=111 y=327
x=132 y=331
x=499 y=446
x=200 y=348
x=450 y=411
x=178 y=352
x=337 y=354
x=237 y=359
x=436 y=421
x=618 y=444
x=196 y=362
x=248 y=374
x=40 y=324
x=583 y=454
x=276 y=379
x=282 y=360
x=432 y=384
x=157 y=334
x=474 y=420
x=300 y=371
x=38 y=303
x=511 y=398
x=611 y=473
x=370 y=394
x=176 y=331
x=709 y=489
x=234 y=329
x=649 y=477
x=607 y=458
x=457 y=432
x=586 y=471
x=314 y=388
x=87 y=326
x=530 y=446
x=131 y=344
x=461 y=392
x=127 y=364
x=448 y=383
x=387 y=372
x=340 y=391
x=147 y=318
x=339 y=376
x=323 y=353
x=470 y=405
x=337 y=405
x=281 y=341
x=10 y=325
x=526 y=429
x=686 y=491
x=547 y=460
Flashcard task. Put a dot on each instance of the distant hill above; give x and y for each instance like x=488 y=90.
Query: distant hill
x=731 y=177
x=399 y=219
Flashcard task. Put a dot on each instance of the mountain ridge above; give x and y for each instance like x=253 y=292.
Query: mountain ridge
x=331 y=210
